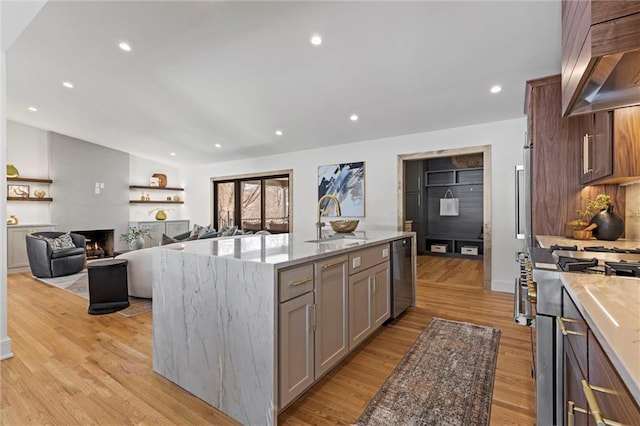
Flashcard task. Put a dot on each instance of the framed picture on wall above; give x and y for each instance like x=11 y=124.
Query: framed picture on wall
x=19 y=191
x=346 y=183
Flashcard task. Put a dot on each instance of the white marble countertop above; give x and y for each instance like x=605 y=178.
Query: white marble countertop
x=611 y=307
x=285 y=249
x=28 y=225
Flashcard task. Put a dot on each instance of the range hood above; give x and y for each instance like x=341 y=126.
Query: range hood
x=613 y=82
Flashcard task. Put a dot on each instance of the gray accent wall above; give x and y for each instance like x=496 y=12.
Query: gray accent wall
x=75 y=167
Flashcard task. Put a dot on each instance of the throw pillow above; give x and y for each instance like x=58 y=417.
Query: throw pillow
x=199 y=230
x=229 y=232
x=168 y=240
x=62 y=242
x=209 y=234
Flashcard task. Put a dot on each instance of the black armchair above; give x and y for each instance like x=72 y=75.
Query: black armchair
x=48 y=263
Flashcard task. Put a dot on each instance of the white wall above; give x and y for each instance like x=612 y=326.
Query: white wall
x=380 y=157
x=28 y=151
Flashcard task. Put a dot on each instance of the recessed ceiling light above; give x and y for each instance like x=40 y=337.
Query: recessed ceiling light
x=124 y=46
x=218 y=145
x=353 y=117
x=316 y=40
x=173 y=154
x=279 y=132
x=67 y=84
x=33 y=109
x=496 y=89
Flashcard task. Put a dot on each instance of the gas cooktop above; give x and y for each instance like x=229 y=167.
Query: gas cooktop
x=620 y=264
x=595 y=249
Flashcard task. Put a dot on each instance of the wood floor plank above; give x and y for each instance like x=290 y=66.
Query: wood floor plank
x=72 y=368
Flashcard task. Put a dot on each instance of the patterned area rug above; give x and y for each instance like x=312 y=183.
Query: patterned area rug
x=78 y=284
x=446 y=378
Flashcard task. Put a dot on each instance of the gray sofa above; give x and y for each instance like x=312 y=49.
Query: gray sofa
x=48 y=263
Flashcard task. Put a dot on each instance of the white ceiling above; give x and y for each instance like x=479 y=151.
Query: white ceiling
x=232 y=73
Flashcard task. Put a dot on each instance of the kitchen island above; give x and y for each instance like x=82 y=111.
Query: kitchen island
x=610 y=305
x=215 y=313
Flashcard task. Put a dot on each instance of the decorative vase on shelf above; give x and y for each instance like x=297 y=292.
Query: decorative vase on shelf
x=161 y=215
x=12 y=220
x=610 y=225
x=12 y=172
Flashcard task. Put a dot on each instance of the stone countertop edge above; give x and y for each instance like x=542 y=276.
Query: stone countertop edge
x=300 y=251
x=28 y=225
x=547 y=241
x=611 y=308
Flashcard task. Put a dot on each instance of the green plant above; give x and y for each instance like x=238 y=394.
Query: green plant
x=601 y=202
x=134 y=233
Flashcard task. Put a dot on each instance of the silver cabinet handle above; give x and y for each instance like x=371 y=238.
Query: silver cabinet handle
x=519 y=231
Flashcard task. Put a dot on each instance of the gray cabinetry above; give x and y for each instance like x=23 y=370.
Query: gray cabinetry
x=331 y=340
x=369 y=302
x=17 y=260
x=157 y=228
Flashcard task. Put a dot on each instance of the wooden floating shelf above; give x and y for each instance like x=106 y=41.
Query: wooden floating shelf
x=28 y=199
x=166 y=188
x=155 y=202
x=34 y=180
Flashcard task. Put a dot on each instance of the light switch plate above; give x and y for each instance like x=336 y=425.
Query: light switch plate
x=97 y=191
x=356 y=262
x=101 y=184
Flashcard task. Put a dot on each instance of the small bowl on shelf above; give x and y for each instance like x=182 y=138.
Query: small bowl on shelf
x=344 y=226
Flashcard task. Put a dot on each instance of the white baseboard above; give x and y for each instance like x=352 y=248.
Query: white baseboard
x=504 y=286
x=5 y=349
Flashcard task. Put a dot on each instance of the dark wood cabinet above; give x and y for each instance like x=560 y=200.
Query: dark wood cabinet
x=599 y=40
x=556 y=158
x=596 y=135
x=414 y=199
x=610 y=143
x=617 y=404
x=591 y=383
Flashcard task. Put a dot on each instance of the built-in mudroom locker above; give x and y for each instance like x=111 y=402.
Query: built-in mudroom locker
x=444 y=202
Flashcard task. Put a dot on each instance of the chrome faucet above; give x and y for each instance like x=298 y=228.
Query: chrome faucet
x=320 y=224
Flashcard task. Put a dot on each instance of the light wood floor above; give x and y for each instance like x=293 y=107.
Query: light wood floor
x=73 y=368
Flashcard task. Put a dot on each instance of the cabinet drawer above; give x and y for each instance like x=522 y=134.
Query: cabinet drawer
x=295 y=281
x=574 y=328
x=366 y=258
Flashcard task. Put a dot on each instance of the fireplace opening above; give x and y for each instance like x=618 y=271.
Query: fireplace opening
x=99 y=243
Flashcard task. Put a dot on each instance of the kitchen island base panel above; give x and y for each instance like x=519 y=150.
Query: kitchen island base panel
x=214 y=331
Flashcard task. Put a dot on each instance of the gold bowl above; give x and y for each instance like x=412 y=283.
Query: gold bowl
x=344 y=225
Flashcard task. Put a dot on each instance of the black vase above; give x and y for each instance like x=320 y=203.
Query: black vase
x=610 y=225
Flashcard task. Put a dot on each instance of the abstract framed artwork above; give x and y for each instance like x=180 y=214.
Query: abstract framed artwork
x=345 y=182
x=18 y=191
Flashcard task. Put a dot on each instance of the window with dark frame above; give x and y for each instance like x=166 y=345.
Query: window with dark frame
x=252 y=203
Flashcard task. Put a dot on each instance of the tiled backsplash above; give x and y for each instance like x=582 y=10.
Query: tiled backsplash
x=632 y=212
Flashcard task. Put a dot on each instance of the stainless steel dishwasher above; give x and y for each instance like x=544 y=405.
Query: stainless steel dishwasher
x=401 y=276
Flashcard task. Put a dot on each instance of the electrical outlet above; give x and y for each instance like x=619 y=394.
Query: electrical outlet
x=385 y=252
x=101 y=184
x=356 y=262
x=97 y=184
x=97 y=190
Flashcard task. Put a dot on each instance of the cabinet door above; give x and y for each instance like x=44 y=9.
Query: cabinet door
x=156 y=229
x=381 y=294
x=413 y=175
x=360 y=315
x=176 y=227
x=599 y=145
x=616 y=405
x=296 y=356
x=17 y=247
x=331 y=337
x=575 y=403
